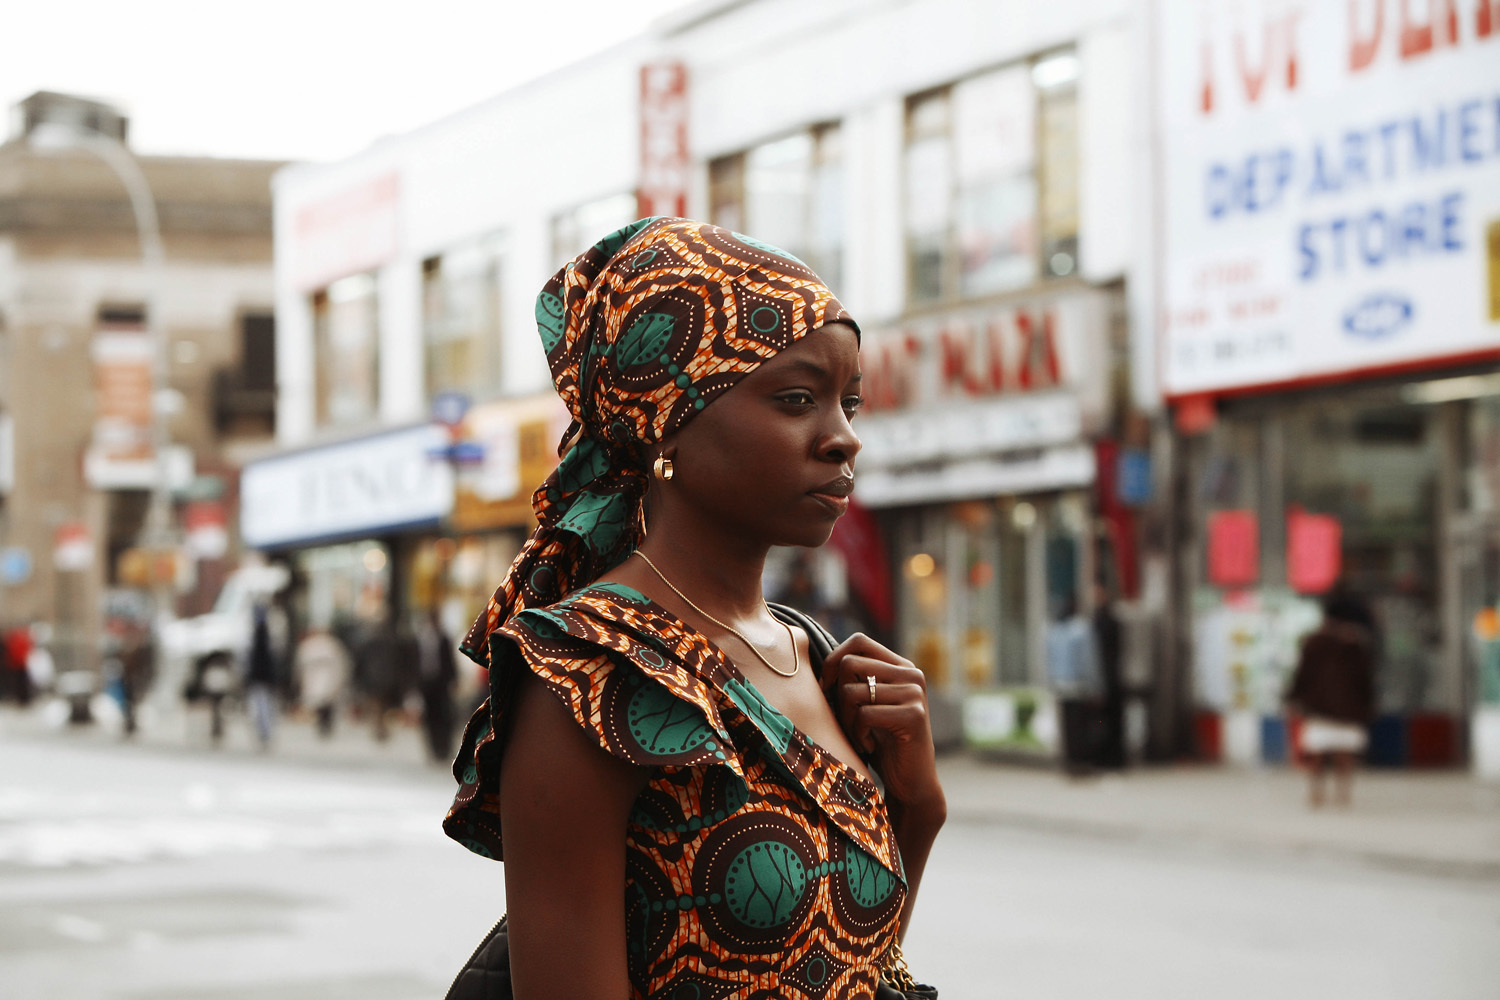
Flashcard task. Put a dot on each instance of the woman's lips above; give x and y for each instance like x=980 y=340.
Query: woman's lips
x=837 y=504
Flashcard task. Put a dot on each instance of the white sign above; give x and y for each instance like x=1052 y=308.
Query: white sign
x=347 y=233
x=1058 y=468
x=372 y=485
x=979 y=401
x=1332 y=178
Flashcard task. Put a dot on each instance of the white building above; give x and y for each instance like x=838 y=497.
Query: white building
x=966 y=175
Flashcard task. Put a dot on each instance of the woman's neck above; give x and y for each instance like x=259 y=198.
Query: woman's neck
x=722 y=578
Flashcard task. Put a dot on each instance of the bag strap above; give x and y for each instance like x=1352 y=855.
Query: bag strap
x=820 y=641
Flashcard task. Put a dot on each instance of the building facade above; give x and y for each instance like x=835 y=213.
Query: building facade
x=959 y=171
x=1330 y=223
x=77 y=460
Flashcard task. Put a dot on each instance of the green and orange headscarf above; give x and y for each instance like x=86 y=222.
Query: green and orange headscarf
x=642 y=331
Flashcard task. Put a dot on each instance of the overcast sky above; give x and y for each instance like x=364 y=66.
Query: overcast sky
x=296 y=79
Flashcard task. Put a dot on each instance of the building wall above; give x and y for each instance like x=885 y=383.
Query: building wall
x=69 y=247
x=757 y=71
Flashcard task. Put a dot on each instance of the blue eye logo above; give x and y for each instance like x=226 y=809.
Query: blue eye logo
x=1378 y=316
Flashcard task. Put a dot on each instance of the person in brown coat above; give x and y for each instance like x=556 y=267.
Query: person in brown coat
x=1334 y=690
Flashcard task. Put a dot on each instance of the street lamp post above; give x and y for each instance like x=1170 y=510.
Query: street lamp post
x=156 y=533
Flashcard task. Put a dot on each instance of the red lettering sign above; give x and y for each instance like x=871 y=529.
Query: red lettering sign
x=666 y=165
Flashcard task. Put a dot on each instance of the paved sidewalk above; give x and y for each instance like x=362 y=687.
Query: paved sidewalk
x=1435 y=822
x=295 y=739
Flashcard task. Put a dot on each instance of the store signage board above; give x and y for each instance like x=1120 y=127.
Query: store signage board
x=349 y=231
x=1330 y=173
x=666 y=159
x=373 y=484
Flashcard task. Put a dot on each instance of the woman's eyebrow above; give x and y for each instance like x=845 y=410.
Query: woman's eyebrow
x=816 y=370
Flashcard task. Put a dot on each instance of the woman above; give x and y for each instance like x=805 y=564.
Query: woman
x=1334 y=689
x=686 y=809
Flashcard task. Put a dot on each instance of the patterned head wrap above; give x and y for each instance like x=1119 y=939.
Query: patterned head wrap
x=642 y=331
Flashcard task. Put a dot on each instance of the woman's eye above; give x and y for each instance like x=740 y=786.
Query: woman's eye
x=853 y=404
x=797 y=398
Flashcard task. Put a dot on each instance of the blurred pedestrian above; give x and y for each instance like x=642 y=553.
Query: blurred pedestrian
x=1110 y=750
x=267 y=645
x=436 y=672
x=377 y=673
x=40 y=666
x=1073 y=670
x=1334 y=691
x=322 y=667
x=15 y=680
x=137 y=658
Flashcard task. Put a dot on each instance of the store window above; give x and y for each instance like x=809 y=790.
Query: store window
x=788 y=192
x=344 y=587
x=979 y=581
x=461 y=317
x=1341 y=493
x=346 y=345
x=990 y=164
x=580 y=227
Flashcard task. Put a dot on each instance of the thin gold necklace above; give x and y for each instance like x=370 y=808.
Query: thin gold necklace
x=796 y=653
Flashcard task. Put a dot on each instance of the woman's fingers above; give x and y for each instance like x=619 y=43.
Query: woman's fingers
x=856 y=653
x=857 y=712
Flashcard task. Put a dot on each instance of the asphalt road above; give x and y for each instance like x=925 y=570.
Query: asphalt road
x=131 y=874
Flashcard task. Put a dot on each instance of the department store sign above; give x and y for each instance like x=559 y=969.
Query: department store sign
x=1331 y=185
x=373 y=485
x=984 y=381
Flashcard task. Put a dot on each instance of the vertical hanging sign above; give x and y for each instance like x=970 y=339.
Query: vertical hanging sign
x=665 y=165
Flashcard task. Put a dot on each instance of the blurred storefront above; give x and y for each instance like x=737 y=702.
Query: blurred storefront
x=1331 y=332
x=977 y=451
x=942 y=191
x=350 y=517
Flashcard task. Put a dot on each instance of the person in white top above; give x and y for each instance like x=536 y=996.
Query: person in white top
x=323 y=666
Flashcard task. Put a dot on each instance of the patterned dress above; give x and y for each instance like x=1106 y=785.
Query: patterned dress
x=758 y=864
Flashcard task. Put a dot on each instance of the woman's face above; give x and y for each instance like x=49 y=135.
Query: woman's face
x=772 y=460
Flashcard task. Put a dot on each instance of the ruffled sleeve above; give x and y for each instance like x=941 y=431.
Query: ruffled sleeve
x=638 y=704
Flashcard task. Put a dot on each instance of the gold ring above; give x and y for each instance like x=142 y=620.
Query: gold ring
x=870 y=680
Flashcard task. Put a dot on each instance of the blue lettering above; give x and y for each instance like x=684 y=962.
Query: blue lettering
x=1336 y=230
x=1355 y=164
x=1373 y=250
x=1251 y=204
x=1388 y=147
x=1282 y=174
x=1451 y=209
x=1220 y=191
x=1428 y=148
x=1309 y=269
x=1413 y=228
x=1322 y=181
x=1373 y=237
x=1468 y=129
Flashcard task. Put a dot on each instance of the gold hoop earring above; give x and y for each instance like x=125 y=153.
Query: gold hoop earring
x=662 y=467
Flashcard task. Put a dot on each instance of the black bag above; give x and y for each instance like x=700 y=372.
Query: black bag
x=486 y=975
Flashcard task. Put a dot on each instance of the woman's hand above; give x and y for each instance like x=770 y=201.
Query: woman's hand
x=895 y=730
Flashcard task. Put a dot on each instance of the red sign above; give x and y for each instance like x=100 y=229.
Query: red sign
x=1314 y=551
x=965 y=355
x=666 y=166
x=1233 y=548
